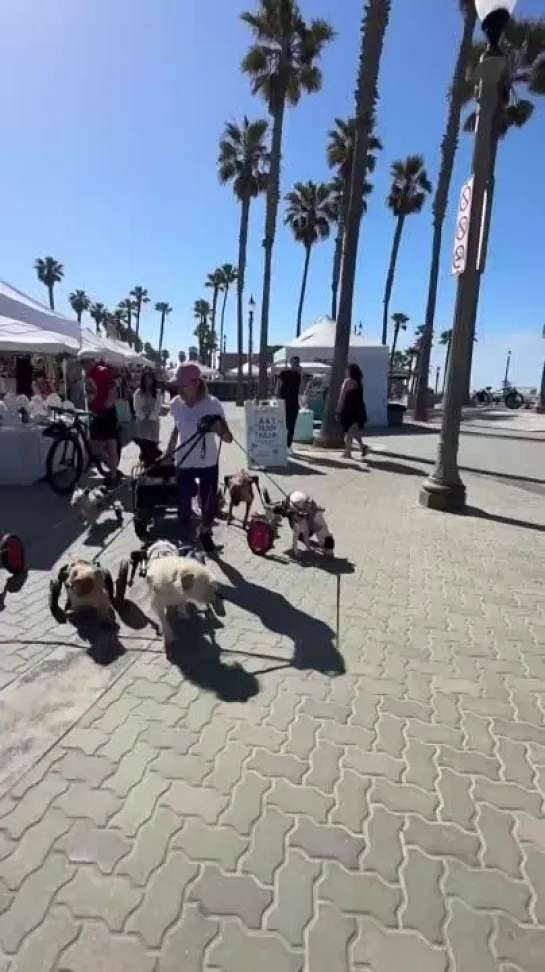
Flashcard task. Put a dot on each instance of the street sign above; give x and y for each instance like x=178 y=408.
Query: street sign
x=459 y=253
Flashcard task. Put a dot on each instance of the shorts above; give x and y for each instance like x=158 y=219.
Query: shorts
x=104 y=425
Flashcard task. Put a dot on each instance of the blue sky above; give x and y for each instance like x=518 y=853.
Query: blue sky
x=111 y=115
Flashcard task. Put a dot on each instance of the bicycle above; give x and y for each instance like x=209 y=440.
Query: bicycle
x=509 y=397
x=71 y=448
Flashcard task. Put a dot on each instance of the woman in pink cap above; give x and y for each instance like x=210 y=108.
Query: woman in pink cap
x=197 y=473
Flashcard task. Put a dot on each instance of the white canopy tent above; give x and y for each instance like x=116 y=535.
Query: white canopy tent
x=318 y=343
x=233 y=372
x=19 y=338
x=17 y=307
x=113 y=352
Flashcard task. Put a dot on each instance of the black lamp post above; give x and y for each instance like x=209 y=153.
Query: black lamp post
x=251 y=311
x=444 y=489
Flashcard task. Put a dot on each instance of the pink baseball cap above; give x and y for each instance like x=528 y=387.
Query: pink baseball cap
x=188 y=374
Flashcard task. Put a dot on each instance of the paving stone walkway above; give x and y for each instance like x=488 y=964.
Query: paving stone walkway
x=272 y=799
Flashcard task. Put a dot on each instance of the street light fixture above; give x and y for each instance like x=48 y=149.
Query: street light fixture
x=444 y=489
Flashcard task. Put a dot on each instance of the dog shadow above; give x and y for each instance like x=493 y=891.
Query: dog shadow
x=313 y=640
x=197 y=655
x=336 y=566
x=101 y=637
x=99 y=533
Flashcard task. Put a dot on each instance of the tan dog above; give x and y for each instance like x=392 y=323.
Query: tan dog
x=175 y=582
x=86 y=587
x=240 y=489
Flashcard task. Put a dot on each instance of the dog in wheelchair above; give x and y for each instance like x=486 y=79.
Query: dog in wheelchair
x=306 y=520
x=176 y=579
x=241 y=491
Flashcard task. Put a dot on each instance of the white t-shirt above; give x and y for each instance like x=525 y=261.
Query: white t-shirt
x=186 y=419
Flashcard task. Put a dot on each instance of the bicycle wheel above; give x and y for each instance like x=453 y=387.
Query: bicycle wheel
x=514 y=400
x=64 y=464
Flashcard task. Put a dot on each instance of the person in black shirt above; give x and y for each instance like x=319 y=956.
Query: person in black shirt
x=289 y=386
x=23 y=375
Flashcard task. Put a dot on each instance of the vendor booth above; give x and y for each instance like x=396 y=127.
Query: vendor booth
x=318 y=344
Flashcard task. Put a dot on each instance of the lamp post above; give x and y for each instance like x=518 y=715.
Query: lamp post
x=251 y=311
x=506 y=376
x=444 y=489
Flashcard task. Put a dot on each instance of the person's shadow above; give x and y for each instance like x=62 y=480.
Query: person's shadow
x=197 y=655
x=313 y=640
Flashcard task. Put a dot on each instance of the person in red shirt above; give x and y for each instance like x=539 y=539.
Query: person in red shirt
x=101 y=392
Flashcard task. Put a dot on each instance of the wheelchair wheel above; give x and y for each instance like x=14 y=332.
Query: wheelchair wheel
x=55 y=591
x=260 y=536
x=12 y=554
x=109 y=585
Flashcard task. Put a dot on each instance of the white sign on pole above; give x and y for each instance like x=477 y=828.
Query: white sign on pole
x=459 y=253
x=266 y=441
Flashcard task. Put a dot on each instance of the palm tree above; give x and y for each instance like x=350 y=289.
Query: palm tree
x=282 y=64
x=127 y=308
x=214 y=281
x=243 y=160
x=376 y=14
x=140 y=297
x=527 y=41
x=49 y=272
x=449 y=147
x=164 y=309
x=99 y=313
x=202 y=311
x=410 y=185
x=400 y=324
x=79 y=302
x=228 y=276
x=445 y=340
x=340 y=153
x=118 y=321
x=310 y=213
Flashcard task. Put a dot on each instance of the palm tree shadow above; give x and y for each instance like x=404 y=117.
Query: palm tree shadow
x=196 y=653
x=313 y=640
x=506 y=520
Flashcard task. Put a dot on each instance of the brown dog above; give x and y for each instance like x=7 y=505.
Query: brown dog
x=240 y=489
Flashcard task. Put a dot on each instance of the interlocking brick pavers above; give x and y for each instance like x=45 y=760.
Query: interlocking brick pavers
x=385 y=820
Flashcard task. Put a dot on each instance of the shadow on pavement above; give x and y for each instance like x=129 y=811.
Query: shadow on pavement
x=44 y=521
x=506 y=520
x=13 y=585
x=386 y=465
x=198 y=656
x=313 y=640
x=102 y=640
x=493 y=474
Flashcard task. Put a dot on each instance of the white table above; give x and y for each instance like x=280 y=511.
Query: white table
x=23 y=453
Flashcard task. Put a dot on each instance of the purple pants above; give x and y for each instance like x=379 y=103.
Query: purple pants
x=202 y=483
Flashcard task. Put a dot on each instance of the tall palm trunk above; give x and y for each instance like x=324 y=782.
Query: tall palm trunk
x=273 y=194
x=213 y=324
x=339 y=246
x=447 y=363
x=161 y=331
x=222 y=323
x=303 y=289
x=449 y=147
x=137 y=328
x=394 y=344
x=390 y=278
x=79 y=315
x=242 y=246
x=373 y=29
x=51 y=297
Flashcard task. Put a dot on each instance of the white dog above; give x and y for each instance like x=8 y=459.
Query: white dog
x=176 y=581
x=90 y=503
x=307 y=520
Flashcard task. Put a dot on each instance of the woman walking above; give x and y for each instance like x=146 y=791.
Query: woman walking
x=147 y=412
x=200 y=464
x=351 y=410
